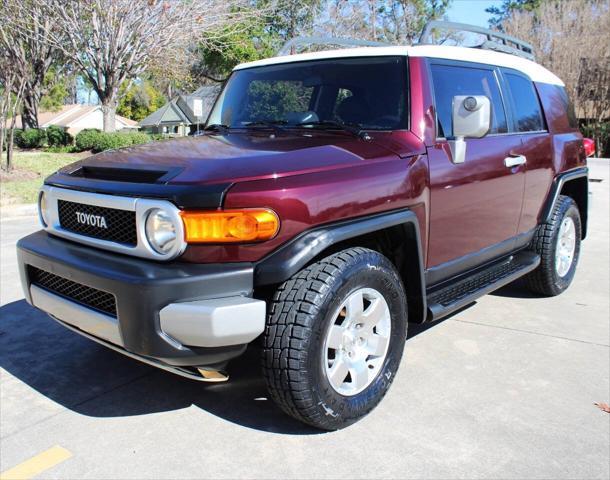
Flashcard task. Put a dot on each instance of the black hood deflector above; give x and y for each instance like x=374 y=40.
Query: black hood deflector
x=183 y=196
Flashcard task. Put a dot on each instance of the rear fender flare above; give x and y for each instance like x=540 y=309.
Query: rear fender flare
x=573 y=183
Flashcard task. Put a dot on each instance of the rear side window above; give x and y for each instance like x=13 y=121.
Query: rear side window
x=450 y=81
x=568 y=106
x=526 y=107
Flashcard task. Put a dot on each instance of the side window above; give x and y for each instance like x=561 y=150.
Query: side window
x=450 y=81
x=569 y=107
x=526 y=107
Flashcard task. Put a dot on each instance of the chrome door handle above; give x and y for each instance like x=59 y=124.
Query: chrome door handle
x=515 y=161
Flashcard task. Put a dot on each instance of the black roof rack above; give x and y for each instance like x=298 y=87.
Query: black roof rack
x=292 y=44
x=497 y=41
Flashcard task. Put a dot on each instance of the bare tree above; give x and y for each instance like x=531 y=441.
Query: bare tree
x=341 y=18
x=11 y=91
x=403 y=20
x=27 y=37
x=393 y=21
x=571 y=39
x=113 y=41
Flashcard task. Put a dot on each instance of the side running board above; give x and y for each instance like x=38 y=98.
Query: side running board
x=447 y=299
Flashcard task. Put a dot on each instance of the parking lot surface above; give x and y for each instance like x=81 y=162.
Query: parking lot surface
x=503 y=389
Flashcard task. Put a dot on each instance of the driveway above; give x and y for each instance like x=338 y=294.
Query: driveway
x=503 y=389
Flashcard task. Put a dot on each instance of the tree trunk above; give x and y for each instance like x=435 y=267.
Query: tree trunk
x=2 y=135
x=109 y=112
x=9 y=149
x=29 y=115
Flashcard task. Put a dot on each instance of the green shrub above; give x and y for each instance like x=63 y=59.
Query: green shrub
x=110 y=141
x=137 y=138
x=156 y=137
x=58 y=137
x=61 y=149
x=86 y=139
x=16 y=138
x=32 y=138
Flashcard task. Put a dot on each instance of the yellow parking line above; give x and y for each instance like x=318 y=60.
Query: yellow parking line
x=36 y=465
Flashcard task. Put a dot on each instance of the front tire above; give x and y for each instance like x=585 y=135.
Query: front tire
x=558 y=244
x=334 y=338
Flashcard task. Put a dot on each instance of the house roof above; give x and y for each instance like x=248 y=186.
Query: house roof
x=181 y=108
x=168 y=113
x=67 y=115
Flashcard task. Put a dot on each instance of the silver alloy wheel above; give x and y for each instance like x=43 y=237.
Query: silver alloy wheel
x=566 y=246
x=357 y=341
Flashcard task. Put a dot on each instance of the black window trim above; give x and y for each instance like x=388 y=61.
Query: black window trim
x=513 y=127
x=504 y=94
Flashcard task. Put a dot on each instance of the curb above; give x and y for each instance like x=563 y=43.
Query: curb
x=16 y=211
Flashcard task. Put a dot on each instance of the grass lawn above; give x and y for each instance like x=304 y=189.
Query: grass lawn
x=29 y=170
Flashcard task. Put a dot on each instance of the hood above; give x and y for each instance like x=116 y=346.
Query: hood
x=211 y=159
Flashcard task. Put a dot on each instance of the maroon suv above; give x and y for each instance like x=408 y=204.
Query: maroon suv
x=332 y=198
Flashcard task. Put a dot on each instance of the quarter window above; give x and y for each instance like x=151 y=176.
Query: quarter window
x=526 y=107
x=450 y=81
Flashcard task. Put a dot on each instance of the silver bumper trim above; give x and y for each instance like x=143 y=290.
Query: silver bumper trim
x=83 y=318
x=216 y=322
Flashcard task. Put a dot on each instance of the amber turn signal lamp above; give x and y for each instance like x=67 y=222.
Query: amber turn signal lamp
x=230 y=226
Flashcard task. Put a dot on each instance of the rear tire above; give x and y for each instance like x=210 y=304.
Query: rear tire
x=558 y=244
x=312 y=328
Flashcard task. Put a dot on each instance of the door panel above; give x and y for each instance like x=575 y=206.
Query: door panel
x=528 y=124
x=538 y=177
x=476 y=204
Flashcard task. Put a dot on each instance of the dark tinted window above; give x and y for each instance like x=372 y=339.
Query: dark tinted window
x=450 y=81
x=526 y=107
x=371 y=92
x=569 y=107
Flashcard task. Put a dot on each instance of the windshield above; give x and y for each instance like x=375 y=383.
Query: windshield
x=368 y=92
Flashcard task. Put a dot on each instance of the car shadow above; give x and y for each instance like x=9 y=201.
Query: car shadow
x=516 y=289
x=92 y=380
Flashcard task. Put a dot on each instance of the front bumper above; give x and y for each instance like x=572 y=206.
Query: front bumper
x=178 y=314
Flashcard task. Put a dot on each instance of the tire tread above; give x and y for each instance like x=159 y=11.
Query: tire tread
x=287 y=334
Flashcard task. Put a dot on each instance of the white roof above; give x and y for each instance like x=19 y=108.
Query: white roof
x=536 y=72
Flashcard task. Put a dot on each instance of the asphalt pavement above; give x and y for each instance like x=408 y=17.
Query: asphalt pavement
x=503 y=389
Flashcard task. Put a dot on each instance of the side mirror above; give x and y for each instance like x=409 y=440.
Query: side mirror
x=471 y=118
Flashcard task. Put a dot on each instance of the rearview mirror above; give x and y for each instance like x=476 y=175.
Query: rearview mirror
x=471 y=118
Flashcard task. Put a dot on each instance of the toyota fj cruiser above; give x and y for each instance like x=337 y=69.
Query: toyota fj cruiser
x=332 y=198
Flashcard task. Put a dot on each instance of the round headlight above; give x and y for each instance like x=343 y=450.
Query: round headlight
x=42 y=209
x=161 y=231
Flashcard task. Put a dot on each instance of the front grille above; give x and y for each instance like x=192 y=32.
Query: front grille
x=98 y=222
x=103 y=302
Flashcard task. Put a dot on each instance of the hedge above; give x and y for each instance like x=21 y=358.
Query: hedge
x=85 y=139
x=92 y=139
x=110 y=141
x=58 y=137
x=31 y=138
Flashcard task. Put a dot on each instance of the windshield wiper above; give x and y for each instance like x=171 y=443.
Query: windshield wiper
x=275 y=124
x=353 y=128
x=216 y=127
